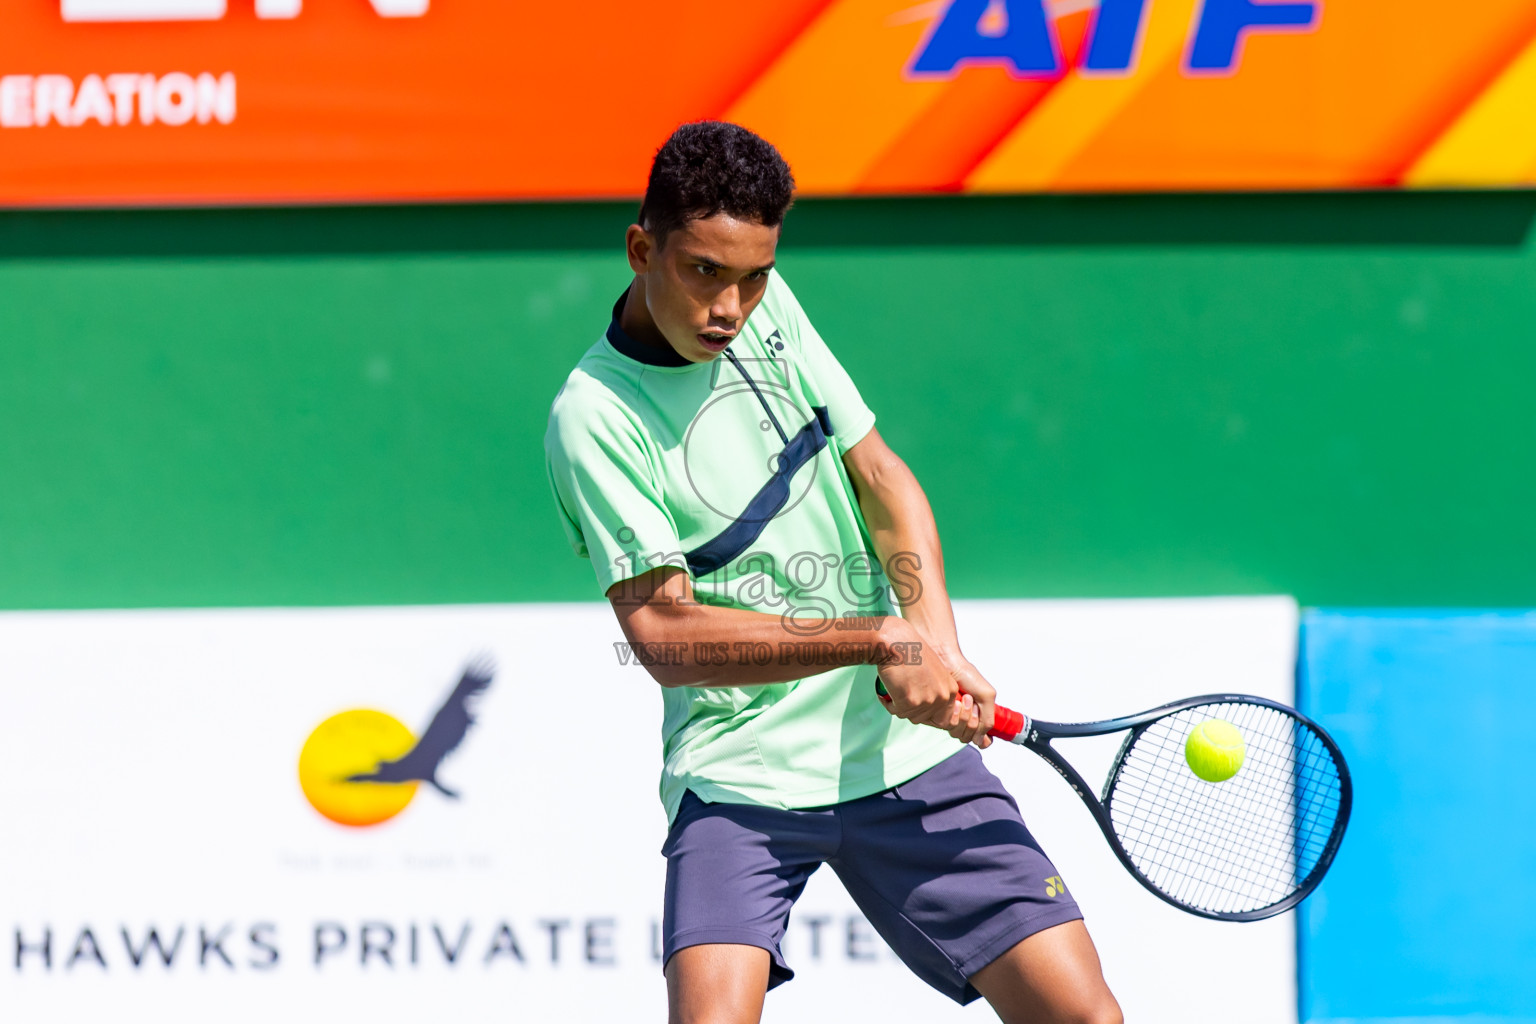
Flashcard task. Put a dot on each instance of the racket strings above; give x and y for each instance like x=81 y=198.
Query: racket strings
x=1266 y=866
x=1234 y=846
x=1202 y=863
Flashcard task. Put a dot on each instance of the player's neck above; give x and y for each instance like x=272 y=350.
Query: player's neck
x=635 y=319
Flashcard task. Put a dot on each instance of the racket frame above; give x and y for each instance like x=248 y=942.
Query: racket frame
x=1038 y=735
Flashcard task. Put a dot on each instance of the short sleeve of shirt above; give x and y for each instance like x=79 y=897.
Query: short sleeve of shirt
x=611 y=508
x=851 y=418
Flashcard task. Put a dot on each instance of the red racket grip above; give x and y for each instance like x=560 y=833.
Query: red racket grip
x=1006 y=722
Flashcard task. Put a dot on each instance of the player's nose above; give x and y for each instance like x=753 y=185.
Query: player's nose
x=727 y=305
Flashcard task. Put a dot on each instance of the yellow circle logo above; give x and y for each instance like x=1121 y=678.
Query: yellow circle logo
x=347 y=745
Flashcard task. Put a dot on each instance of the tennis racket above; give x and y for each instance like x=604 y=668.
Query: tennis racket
x=1241 y=850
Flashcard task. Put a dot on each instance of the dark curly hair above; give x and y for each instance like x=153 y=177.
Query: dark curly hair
x=710 y=167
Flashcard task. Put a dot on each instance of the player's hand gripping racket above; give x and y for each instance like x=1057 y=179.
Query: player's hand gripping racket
x=1245 y=848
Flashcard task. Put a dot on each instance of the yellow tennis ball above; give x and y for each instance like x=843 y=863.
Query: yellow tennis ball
x=1214 y=750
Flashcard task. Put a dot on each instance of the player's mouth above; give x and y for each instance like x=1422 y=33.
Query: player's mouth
x=714 y=341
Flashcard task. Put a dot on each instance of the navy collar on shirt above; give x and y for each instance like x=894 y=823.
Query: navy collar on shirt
x=635 y=350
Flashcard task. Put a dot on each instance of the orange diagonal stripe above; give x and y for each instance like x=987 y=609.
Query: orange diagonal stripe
x=1335 y=107
x=837 y=97
x=1036 y=153
x=946 y=142
x=1492 y=142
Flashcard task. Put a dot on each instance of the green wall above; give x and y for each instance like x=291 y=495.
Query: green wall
x=1323 y=395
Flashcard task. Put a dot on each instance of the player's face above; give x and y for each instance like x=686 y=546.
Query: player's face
x=701 y=286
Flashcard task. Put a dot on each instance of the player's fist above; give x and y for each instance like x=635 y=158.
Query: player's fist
x=981 y=698
x=919 y=686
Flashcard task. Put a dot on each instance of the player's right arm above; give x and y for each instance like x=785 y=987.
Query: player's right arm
x=658 y=612
x=613 y=513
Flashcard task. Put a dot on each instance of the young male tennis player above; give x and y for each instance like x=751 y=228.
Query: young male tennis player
x=767 y=556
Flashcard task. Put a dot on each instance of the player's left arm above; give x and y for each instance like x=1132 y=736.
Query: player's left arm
x=906 y=540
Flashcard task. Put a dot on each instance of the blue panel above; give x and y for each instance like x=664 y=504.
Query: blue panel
x=1430 y=909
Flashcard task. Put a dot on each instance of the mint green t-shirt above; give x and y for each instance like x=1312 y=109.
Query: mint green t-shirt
x=732 y=469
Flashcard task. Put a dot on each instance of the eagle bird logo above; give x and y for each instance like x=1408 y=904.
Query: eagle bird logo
x=442 y=736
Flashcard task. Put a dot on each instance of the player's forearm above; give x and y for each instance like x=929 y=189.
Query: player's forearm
x=712 y=646
x=685 y=643
x=906 y=539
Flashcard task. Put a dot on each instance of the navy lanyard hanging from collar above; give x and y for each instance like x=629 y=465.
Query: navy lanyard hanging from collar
x=771 y=498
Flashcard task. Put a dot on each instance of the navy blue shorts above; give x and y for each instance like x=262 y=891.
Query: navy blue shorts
x=942 y=866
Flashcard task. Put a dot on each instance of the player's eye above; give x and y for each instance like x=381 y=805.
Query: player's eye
x=706 y=270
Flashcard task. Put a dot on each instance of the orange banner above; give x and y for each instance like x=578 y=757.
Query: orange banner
x=198 y=101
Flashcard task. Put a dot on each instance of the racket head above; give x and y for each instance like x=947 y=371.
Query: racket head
x=1244 y=849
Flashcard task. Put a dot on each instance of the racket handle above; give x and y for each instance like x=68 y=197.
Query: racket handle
x=1006 y=722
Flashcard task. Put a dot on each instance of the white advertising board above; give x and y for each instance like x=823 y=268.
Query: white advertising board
x=161 y=860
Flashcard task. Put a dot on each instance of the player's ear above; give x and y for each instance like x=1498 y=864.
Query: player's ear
x=640 y=246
